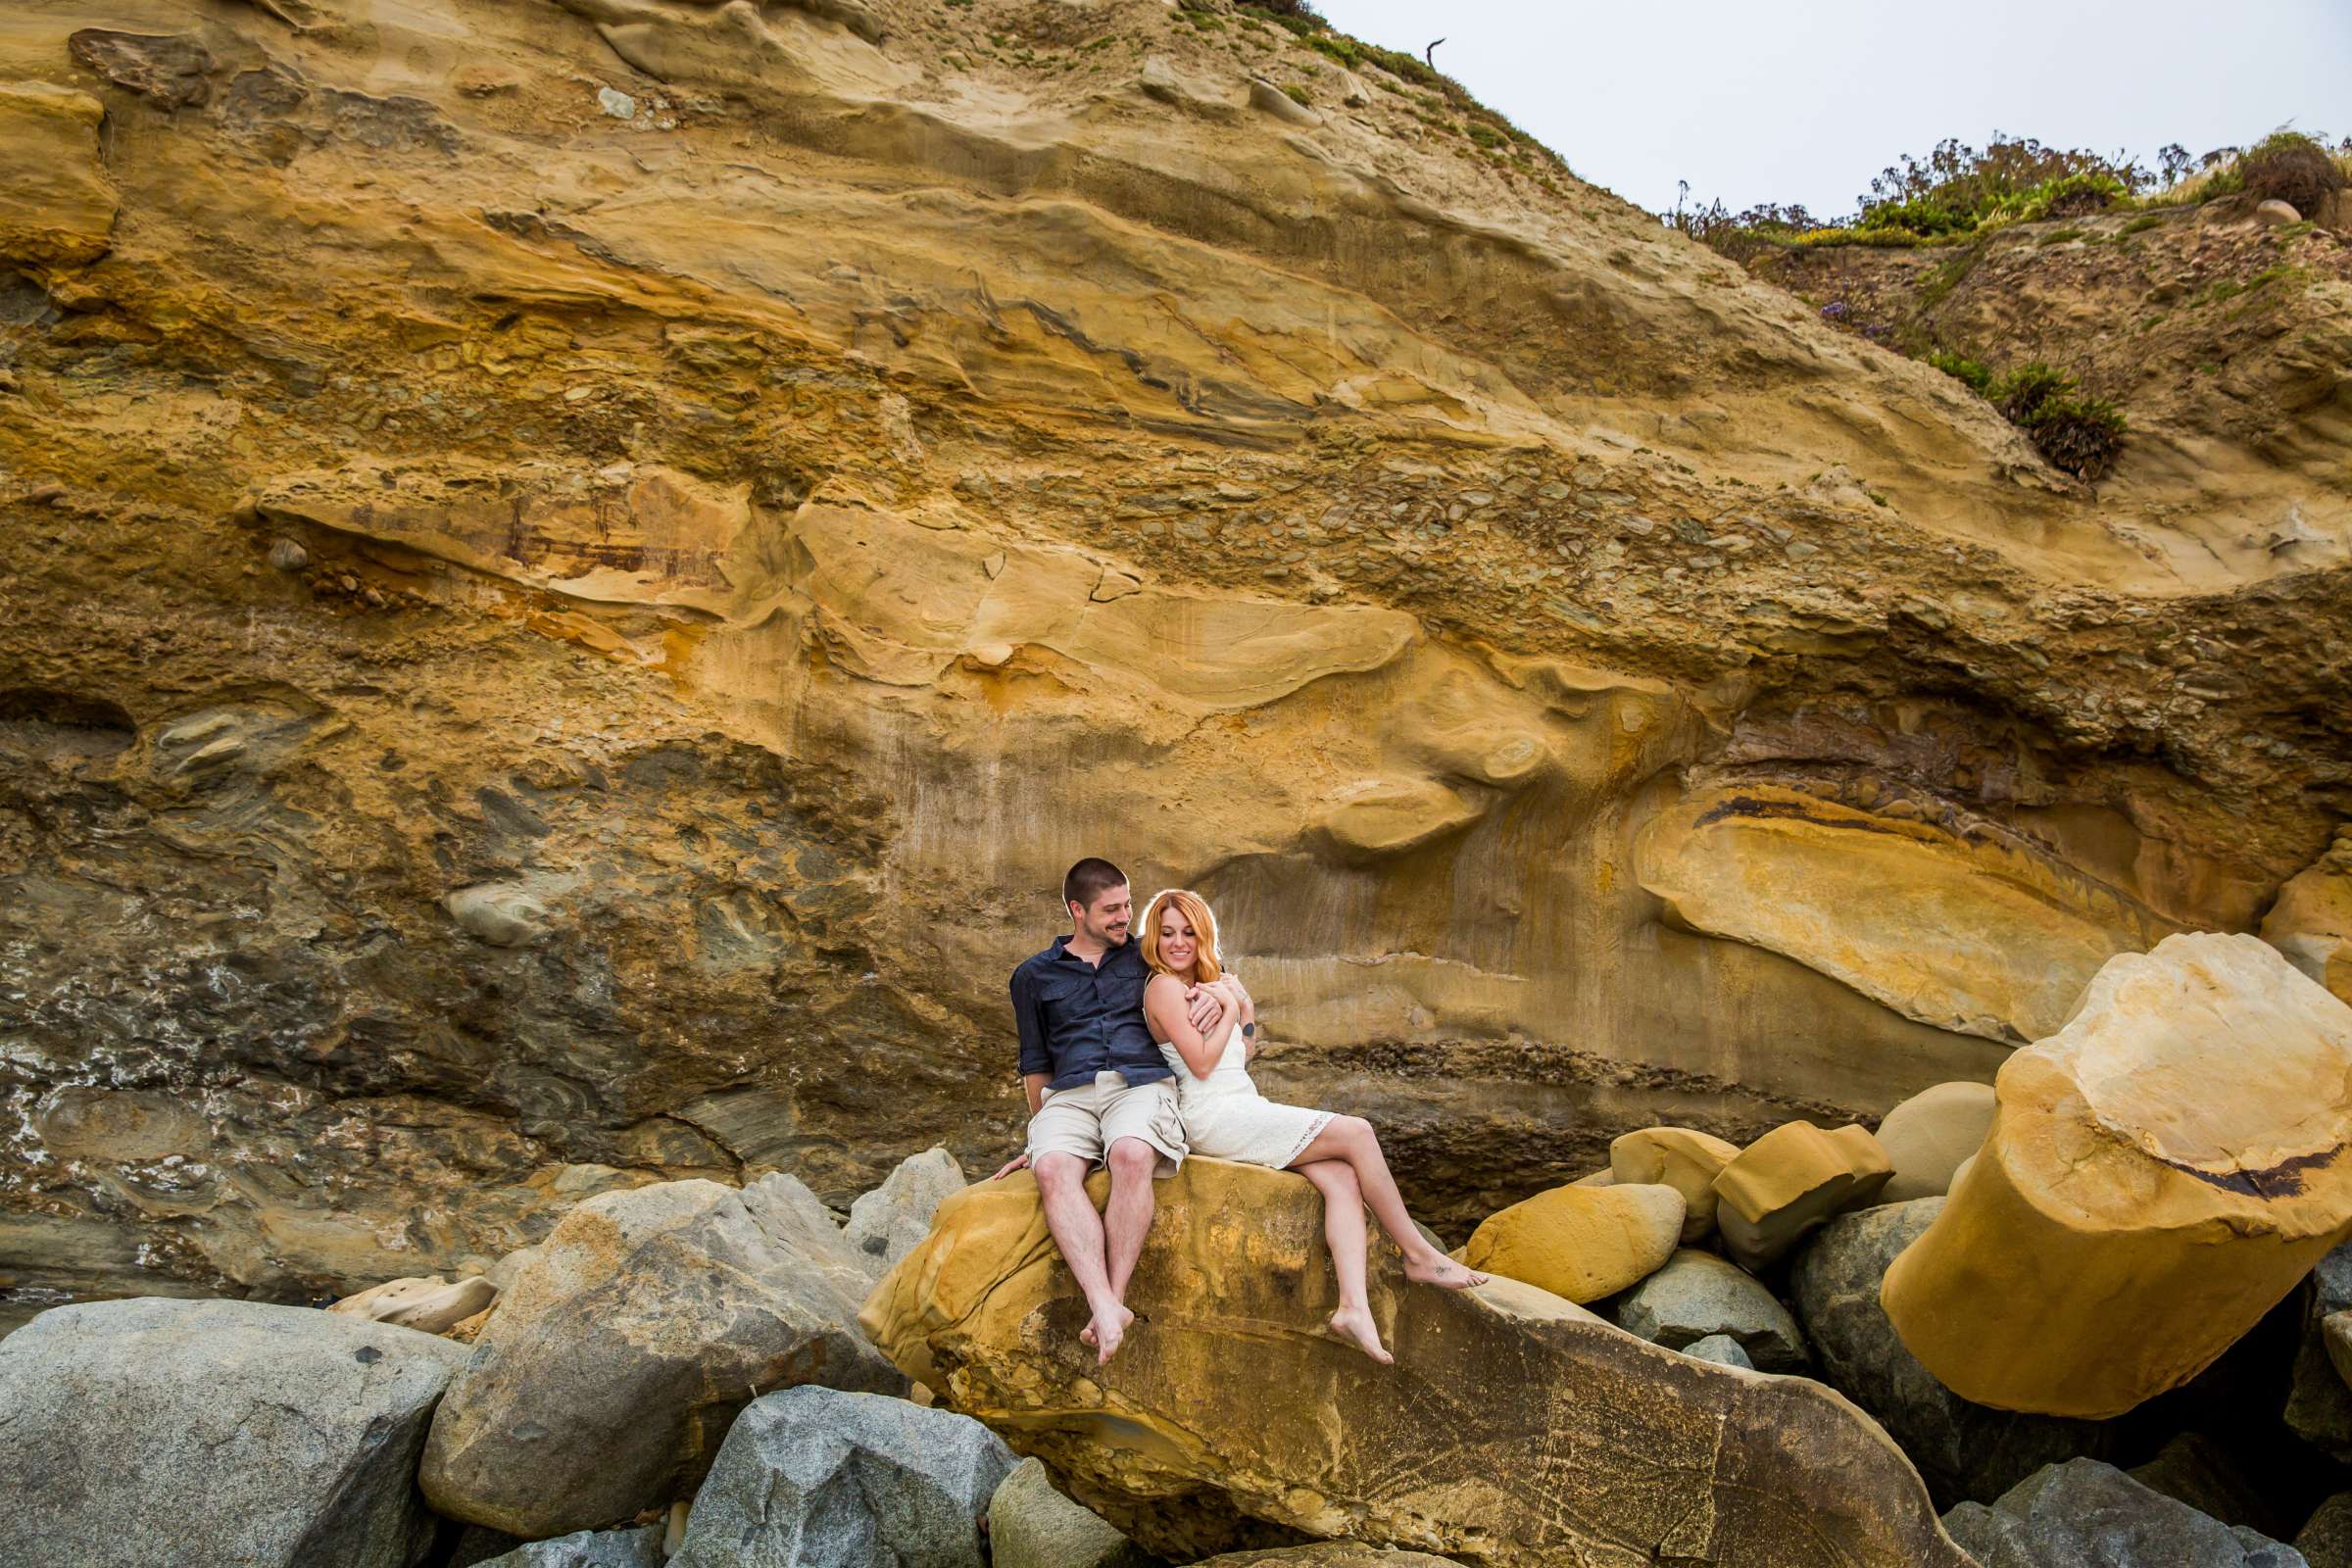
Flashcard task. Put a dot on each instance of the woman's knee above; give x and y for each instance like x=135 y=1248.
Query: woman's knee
x=1356 y=1131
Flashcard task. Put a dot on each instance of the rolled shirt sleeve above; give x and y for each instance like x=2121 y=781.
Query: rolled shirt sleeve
x=1028 y=1014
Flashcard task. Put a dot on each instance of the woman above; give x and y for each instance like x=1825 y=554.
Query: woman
x=1225 y=1117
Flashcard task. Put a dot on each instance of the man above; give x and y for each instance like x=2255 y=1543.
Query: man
x=1099 y=1092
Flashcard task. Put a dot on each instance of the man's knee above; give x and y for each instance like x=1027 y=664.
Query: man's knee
x=1131 y=1159
x=1057 y=1171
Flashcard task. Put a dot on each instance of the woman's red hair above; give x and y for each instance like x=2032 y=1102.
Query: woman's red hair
x=1194 y=908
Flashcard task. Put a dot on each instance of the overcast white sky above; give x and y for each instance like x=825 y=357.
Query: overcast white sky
x=1804 y=102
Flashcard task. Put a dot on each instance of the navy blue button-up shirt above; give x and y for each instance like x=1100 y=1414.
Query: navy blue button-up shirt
x=1077 y=1018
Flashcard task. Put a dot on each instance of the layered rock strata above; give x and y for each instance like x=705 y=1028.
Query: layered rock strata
x=577 y=572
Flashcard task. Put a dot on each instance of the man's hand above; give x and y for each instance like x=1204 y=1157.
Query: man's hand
x=1016 y=1162
x=1206 y=1006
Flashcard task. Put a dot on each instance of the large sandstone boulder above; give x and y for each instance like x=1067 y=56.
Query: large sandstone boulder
x=886 y=1223
x=1579 y=1242
x=1964 y=1450
x=1697 y=1294
x=2160 y=1173
x=2085 y=1514
x=1680 y=1157
x=1928 y=1136
x=1515 y=1429
x=617 y=1360
x=195 y=1433
x=811 y=1477
x=1032 y=1525
x=2311 y=919
x=1788 y=1183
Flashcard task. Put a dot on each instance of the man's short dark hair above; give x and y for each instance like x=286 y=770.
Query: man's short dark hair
x=1089 y=880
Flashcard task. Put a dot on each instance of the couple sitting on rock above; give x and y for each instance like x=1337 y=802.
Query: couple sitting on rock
x=1136 y=1054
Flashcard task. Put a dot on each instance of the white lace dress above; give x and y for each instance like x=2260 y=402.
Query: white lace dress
x=1225 y=1117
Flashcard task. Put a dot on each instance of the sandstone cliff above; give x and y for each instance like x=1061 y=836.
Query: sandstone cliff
x=575 y=571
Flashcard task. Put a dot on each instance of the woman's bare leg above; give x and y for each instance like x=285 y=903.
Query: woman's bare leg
x=1351 y=1139
x=1344 y=1230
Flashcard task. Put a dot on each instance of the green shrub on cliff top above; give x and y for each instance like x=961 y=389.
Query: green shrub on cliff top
x=1960 y=367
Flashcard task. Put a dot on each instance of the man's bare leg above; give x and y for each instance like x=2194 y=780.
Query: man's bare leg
x=1078 y=1231
x=1351 y=1138
x=1127 y=1217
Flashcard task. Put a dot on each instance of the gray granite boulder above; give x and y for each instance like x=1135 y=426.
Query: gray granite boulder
x=1963 y=1451
x=2318 y=1405
x=1697 y=1294
x=189 y=1433
x=621 y=1353
x=886 y=1223
x=1721 y=1349
x=2085 y=1514
x=1032 y=1525
x=811 y=1478
x=588 y=1548
x=2326 y=1539
x=2218 y=1477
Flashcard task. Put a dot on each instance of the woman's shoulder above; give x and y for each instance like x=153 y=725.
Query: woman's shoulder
x=1159 y=985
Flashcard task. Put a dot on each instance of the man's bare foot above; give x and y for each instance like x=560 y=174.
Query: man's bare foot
x=1439 y=1269
x=1356 y=1323
x=1106 y=1333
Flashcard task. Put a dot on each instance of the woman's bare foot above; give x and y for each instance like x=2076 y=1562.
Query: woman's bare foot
x=1439 y=1269
x=1104 y=1332
x=1356 y=1323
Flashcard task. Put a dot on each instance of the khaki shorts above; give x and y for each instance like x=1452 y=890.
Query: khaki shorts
x=1086 y=1119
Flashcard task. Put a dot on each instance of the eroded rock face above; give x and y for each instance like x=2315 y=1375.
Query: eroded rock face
x=621 y=1354
x=776 y=483
x=217 y=1434
x=59 y=206
x=1228 y=1411
x=2160 y=1173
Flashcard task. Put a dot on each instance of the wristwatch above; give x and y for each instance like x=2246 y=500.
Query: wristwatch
x=1248 y=1029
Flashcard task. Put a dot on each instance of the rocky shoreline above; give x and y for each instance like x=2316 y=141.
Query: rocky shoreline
x=1703 y=1352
